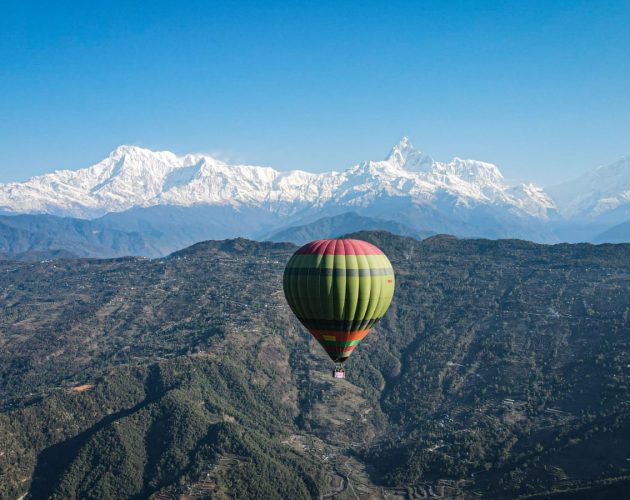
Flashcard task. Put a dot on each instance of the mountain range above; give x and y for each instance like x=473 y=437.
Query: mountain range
x=165 y=202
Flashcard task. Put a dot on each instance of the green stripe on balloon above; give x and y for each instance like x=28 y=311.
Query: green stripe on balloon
x=325 y=271
x=339 y=342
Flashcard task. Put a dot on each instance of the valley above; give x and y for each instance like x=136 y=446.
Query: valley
x=502 y=370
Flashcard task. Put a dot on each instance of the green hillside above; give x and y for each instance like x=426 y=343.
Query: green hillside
x=501 y=370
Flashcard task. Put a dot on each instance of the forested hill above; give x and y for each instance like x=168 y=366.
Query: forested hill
x=502 y=369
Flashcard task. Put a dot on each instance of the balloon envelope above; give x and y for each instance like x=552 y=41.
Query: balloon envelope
x=338 y=289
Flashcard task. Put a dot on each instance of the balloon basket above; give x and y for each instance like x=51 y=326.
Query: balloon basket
x=339 y=372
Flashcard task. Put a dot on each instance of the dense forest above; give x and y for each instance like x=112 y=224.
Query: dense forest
x=502 y=370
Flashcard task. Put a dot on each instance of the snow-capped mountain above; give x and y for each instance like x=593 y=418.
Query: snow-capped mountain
x=136 y=177
x=602 y=193
x=133 y=177
x=166 y=202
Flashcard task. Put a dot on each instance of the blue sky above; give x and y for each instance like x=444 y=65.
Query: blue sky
x=542 y=88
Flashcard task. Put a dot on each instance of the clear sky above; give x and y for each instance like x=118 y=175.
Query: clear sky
x=541 y=88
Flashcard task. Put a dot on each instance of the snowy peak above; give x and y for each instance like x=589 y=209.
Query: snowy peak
x=600 y=191
x=468 y=182
x=475 y=171
x=398 y=154
x=404 y=156
x=128 y=149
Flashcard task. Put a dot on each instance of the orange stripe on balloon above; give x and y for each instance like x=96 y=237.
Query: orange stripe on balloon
x=339 y=335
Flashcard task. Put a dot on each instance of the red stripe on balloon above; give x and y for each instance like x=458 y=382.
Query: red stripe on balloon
x=342 y=246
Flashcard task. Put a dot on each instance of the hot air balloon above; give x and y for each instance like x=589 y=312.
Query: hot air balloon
x=338 y=289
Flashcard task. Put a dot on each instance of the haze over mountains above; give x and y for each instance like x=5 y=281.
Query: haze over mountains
x=164 y=202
